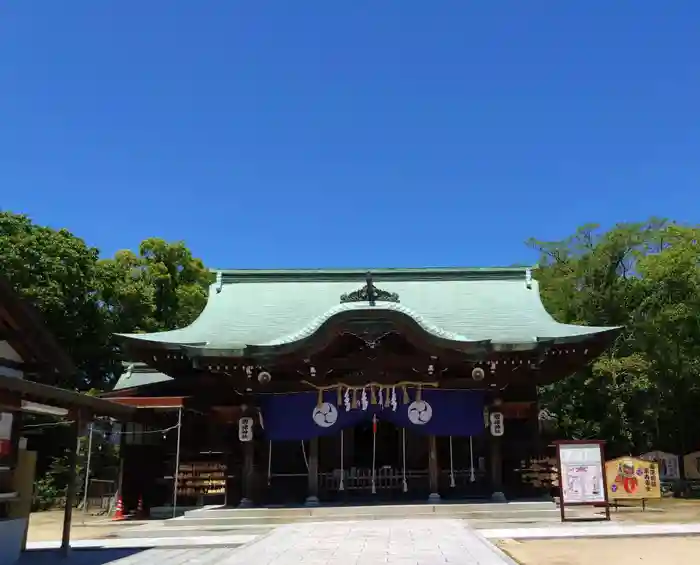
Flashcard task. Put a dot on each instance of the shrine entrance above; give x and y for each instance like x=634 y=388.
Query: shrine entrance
x=380 y=462
x=388 y=445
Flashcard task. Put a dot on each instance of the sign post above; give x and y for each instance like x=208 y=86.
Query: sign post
x=631 y=478
x=582 y=480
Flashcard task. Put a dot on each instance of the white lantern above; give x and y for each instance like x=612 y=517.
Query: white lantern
x=245 y=429
x=497 y=421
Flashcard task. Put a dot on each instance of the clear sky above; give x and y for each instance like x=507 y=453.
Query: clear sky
x=377 y=133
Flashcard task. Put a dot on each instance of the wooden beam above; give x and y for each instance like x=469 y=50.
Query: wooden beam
x=71 y=487
x=23 y=366
x=151 y=401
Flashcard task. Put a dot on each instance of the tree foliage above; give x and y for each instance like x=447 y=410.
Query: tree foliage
x=644 y=277
x=161 y=288
x=85 y=299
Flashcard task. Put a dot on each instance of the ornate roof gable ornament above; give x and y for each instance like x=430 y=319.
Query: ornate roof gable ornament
x=369 y=293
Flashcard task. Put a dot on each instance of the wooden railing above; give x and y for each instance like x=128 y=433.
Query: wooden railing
x=388 y=478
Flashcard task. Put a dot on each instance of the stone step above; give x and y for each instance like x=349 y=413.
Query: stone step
x=395 y=510
x=235 y=521
x=253 y=531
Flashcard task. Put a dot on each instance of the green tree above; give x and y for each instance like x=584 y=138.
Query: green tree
x=668 y=331
x=58 y=273
x=85 y=300
x=162 y=288
x=643 y=277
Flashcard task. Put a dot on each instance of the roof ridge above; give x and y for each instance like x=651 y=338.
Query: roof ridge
x=352 y=275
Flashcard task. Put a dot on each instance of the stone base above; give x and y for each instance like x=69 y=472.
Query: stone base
x=245 y=503
x=434 y=498
x=311 y=501
x=498 y=497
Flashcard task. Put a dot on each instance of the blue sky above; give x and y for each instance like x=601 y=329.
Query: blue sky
x=370 y=133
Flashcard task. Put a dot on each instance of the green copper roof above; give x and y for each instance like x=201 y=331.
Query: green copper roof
x=271 y=308
x=139 y=374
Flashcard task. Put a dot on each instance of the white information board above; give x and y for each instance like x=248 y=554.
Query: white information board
x=582 y=473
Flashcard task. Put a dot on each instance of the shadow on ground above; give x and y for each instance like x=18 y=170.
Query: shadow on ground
x=77 y=557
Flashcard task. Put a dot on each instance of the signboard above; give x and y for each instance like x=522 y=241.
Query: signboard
x=497 y=421
x=669 y=468
x=581 y=471
x=691 y=466
x=5 y=434
x=245 y=429
x=630 y=478
x=5 y=425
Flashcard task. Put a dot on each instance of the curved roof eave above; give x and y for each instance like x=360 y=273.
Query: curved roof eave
x=199 y=348
x=161 y=340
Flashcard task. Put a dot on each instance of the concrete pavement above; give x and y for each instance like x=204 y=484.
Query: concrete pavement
x=365 y=542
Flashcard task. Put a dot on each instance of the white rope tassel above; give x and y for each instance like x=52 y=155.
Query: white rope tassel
x=452 y=468
x=341 y=486
x=374 y=452
x=269 y=463
x=303 y=451
x=405 y=484
x=472 y=478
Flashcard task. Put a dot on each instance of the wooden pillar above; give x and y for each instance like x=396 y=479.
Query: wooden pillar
x=15 y=436
x=71 y=487
x=248 y=474
x=312 y=494
x=433 y=470
x=496 y=464
x=122 y=455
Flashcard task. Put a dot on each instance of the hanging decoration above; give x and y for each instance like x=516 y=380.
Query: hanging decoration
x=299 y=416
x=380 y=395
x=403 y=436
x=269 y=462
x=374 y=452
x=472 y=477
x=245 y=429
x=306 y=459
x=341 y=486
x=496 y=427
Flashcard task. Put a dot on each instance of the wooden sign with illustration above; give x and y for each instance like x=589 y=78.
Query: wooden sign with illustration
x=629 y=478
x=691 y=466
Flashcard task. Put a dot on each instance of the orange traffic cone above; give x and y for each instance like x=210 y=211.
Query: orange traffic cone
x=119 y=512
x=140 y=511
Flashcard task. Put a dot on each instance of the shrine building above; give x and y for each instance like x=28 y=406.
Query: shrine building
x=308 y=386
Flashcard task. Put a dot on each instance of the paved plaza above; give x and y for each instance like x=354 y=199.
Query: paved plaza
x=404 y=542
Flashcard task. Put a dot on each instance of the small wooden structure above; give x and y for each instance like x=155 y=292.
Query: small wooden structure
x=28 y=350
